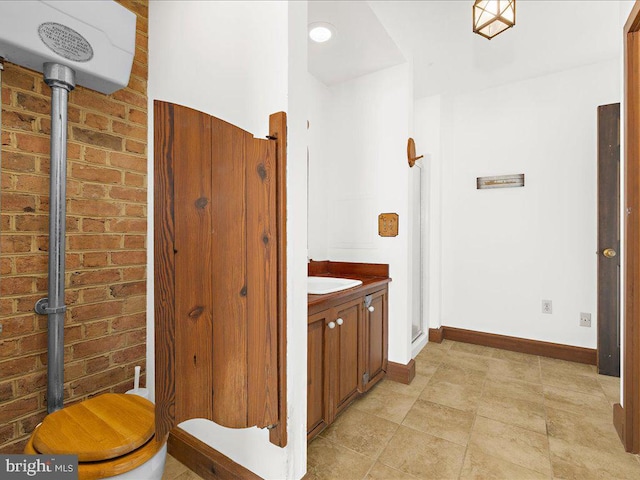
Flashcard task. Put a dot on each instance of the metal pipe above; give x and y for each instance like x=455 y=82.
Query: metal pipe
x=61 y=79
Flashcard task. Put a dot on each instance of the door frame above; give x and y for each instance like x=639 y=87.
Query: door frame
x=627 y=417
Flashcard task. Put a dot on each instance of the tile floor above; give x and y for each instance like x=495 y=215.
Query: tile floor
x=174 y=470
x=479 y=413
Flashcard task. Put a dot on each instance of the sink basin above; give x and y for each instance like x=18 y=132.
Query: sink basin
x=322 y=285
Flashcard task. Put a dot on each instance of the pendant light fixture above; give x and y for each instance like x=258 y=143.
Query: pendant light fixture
x=491 y=17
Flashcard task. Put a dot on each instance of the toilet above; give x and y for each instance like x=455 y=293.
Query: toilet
x=112 y=434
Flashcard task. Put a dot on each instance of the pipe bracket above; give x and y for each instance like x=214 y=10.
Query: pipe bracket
x=42 y=307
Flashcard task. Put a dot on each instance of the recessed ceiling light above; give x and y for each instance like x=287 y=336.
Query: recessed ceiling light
x=321 y=32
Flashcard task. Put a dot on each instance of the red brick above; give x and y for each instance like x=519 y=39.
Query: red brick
x=15 y=447
x=6 y=391
x=27 y=425
x=92 y=225
x=34 y=343
x=9 y=348
x=129 y=354
x=128 y=289
x=95 y=294
x=94 y=277
x=6 y=306
x=94 y=208
x=129 y=194
x=5 y=266
x=100 y=139
x=138 y=116
x=19 y=121
x=134 y=241
x=128 y=161
x=16 y=285
x=14 y=76
x=130 y=131
x=18 y=162
x=95 y=259
x=135 y=147
x=33 y=184
x=32 y=143
x=23 y=365
x=96 y=329
x=134 y=180
x=32 y=223
x=17 y=326
x=32 y=264
x=129 y=258
x=15 y=243
x=96 y=156
x=134 y=304
x=7 y=433
x=94 y=190
x=34 y=103
x=93 y=311
x=14 y=202
x=131 y=97
x=96 y=174
x=13 y=410
x=97 y=364
x=94 y=383
x=135 y=210
x=127 y=225
x=129 y=322
x=99 y=122
x=95 y=242
x=89 y=99
x=99 y=346
x=129 y=274
x=31 y=383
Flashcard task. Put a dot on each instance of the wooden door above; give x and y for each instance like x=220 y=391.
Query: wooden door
x=317 y=366
x=609 y=239
x=219 y=272
x=376 y=338
x=345 y=377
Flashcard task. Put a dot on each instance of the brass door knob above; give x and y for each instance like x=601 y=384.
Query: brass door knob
x=609 y=252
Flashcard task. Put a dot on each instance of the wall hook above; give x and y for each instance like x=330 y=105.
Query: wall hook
x=411 y=152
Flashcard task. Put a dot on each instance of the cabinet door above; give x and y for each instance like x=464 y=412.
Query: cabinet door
x=346 y=353
x=375 y=315
x=317 y=381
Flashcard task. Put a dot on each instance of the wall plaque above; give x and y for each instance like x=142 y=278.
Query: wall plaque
x=388 y=224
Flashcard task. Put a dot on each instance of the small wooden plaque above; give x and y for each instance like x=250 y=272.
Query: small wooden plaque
x=388 y=224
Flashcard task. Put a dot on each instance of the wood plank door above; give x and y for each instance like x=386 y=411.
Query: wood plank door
x=219 y=269
x=317 y=366
x=609 y=239
x=375 y=337
x=345 y=353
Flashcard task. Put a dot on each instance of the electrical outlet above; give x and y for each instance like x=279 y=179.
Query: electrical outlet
x=585 y=319
x=546 y=306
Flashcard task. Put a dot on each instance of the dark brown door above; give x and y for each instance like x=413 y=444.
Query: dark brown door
x=218 y=273
x=317 y=381
x=376 y=338
x=609 y=239
x=346 y=353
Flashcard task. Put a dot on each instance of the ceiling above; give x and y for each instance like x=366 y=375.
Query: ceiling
x=447 y=56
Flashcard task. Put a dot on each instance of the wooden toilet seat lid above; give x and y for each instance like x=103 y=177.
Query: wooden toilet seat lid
x=101 y=428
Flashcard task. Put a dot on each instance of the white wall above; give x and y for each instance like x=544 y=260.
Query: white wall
x=242 y=61
x=505 y=250
x=365 y=126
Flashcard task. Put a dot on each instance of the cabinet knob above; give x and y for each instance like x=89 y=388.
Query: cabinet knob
x=371 y=308
x=339 y=321
x=332 y=325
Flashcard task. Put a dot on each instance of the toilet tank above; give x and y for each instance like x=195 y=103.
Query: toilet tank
x=97 y=39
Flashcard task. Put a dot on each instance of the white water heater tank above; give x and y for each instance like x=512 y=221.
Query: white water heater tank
x=97 y=39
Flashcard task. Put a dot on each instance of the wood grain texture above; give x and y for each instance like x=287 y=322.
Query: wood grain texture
x=193 y=291
x=164 y=269
x=631 y=379
x=229 y=244
x=113 y=467
x=278 y=131
x=523 y=345
x=204 y=460
x=608 y=237
x=318 y=365
x=262 y=282
x=101 y=428
x=345 y=355
x=327 y=267
x=619 y=420
x=436 y=335
x=400 y=373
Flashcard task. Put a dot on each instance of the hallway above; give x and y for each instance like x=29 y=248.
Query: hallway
x=479 y=412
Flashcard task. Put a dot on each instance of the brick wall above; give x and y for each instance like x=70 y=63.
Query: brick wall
x=106 y=241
